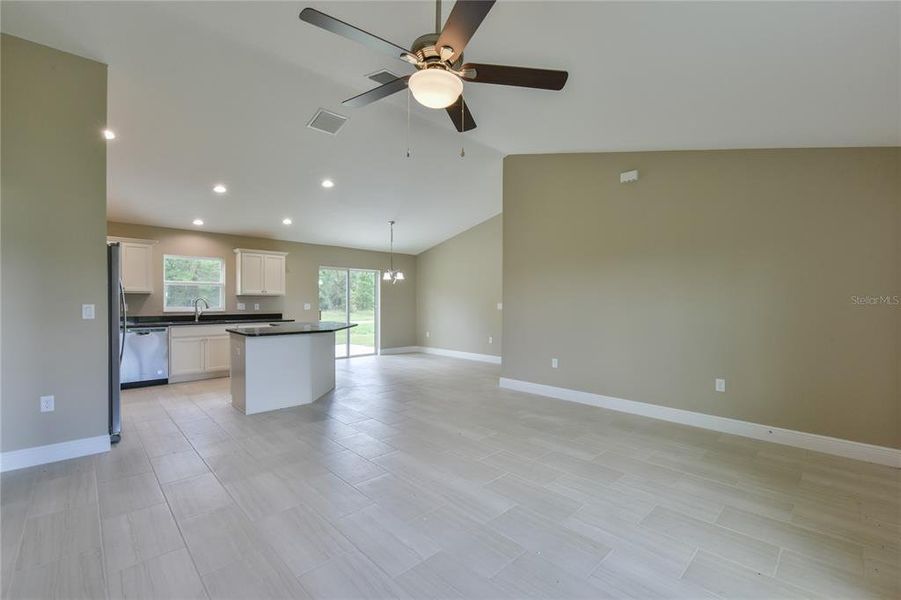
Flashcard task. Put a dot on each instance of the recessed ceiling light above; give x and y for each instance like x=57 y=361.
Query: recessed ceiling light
x=109 y=134
x=220 y=188
x=328 y=183
x=198 y=222
x=287 y=221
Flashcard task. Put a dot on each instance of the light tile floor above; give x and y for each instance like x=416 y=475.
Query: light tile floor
x=420 y=478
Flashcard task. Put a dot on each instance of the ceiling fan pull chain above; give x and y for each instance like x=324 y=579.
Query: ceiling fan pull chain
x=408 y=123
x=462 y=126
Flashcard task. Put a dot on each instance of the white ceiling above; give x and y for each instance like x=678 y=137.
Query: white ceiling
x=202 y=92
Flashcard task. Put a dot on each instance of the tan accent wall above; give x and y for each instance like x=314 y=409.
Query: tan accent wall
x=458 y=289
x=52 y=246
x=398 y=302
x=739 y=264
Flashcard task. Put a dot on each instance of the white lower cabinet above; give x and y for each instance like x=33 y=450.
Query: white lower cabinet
x=186 y=356
x=200 y=351
x=216 y=353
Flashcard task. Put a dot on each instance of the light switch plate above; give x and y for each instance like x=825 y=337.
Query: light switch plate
x=500 y=306
x=256 y=307
x=554 y=363
x=242 y=306
x=87 y=311
x=48 y=404
x=490 y=340
x=307 y=306
x=720 y=385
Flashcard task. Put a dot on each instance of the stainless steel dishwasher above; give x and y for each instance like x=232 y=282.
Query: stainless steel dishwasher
x=145 y=358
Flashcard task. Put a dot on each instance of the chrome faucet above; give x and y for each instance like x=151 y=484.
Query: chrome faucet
x=197 y=310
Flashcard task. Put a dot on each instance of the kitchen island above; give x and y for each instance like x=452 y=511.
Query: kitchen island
x=283 y=365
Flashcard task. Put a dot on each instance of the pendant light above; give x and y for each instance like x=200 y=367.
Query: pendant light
x=391 y=274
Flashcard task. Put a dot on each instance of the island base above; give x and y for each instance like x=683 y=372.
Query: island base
x=273 y=372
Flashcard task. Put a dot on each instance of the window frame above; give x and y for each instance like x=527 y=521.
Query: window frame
x=222 y=284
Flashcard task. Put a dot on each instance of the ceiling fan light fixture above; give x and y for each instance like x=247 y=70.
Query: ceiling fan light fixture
x=435 y=88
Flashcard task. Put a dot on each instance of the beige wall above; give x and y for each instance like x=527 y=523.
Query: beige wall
x=458 y=289
x=736 y=264
x=398 y=302
x=52 y=245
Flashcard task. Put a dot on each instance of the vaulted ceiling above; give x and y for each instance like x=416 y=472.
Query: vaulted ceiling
x=203 y=92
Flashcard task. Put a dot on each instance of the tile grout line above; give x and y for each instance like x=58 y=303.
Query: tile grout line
x=107 y=587
x=21 y=541
x=188 y=548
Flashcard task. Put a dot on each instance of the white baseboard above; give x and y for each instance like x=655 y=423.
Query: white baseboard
x=488 y=358
x=809 y=441
x=400 y=350
x=39 y=455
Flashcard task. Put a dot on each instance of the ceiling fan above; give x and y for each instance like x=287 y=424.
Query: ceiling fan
x=438 y=58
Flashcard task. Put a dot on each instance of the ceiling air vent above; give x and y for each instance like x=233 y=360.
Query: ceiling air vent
x=327 y=121
x=384 y=76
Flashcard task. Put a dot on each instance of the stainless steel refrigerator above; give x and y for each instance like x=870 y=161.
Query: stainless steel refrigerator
x=117 y=328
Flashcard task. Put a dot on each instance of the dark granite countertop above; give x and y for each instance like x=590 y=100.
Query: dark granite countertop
x=293 y=328
x=206 y=319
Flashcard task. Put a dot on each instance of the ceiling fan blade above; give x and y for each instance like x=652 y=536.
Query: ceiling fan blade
x=464 y=19
x=383 y=91
x=545 y=79
x=373 y=42
x=460 y=115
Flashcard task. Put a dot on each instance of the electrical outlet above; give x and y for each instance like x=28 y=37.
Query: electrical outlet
x=554 y=363
x=242 y=306
x=87 y=311
x=720 y=385
x=628 y=177
x=490 y=340
x=48 y=404
x=307 y=306
x=428 y=334
x=500 y=306
x=256 y=306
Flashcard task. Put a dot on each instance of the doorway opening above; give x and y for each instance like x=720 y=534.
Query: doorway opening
x=351 y=296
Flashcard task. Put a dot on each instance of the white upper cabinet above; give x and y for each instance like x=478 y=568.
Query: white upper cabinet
x=274 y=275
x=250 y=273
x=260 y=272
x=136 y=265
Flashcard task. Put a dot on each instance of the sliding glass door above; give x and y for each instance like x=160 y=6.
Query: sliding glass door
x=333 y=303
x=351 y=295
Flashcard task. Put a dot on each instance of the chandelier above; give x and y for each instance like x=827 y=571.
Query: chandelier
x=393 y=275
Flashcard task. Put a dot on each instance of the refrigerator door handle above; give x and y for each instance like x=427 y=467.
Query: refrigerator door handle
x=124 y=321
